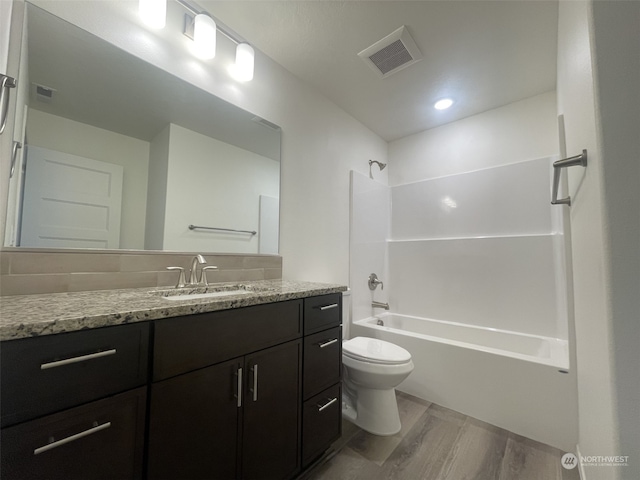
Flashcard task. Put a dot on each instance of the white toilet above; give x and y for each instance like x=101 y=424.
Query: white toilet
x=372 y=369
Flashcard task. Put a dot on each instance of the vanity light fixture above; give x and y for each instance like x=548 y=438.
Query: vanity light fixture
x=202 y=29
x=153 y=12
x=204 y=36
x=242 y=70
x=443 y=104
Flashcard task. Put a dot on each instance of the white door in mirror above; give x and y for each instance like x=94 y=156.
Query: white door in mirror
x=70 y=201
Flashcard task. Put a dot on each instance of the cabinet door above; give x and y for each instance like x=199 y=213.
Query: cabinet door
x=47 y=374
x=322 y=361
x=272 y=413
x=193 y=431
x=321 y=423
x=102 y=440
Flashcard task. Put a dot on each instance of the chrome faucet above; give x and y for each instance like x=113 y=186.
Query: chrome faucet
x=193 y=276
x=375 y=304
x=374 y=282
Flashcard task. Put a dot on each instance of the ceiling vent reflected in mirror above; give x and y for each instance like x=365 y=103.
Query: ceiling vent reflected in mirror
x=394 y=52
x=266 y=123
x=42 y=93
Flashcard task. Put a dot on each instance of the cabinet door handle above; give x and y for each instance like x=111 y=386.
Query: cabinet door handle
x=72 y=438
x=329 y=307
x=254 y=370
x=82 y=358
x=239 y=386
x=327 y=343
x=328 y=404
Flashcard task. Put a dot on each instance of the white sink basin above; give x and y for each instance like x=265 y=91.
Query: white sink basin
x=196 y=296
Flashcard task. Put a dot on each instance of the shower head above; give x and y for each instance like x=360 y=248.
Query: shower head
x=381 y=165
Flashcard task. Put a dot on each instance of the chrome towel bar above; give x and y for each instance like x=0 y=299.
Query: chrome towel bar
x=557 y=166
x=193 y=227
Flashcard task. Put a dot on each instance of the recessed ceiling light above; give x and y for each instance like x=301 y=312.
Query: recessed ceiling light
x=443 y=104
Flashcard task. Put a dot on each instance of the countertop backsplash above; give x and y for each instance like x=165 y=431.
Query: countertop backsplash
x=28 y=271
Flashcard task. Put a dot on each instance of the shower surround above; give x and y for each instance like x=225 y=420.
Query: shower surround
x=483 y=250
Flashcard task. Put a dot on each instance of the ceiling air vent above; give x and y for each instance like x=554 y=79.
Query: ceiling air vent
x=266 y=123
x=42 y=93
x=391 y=54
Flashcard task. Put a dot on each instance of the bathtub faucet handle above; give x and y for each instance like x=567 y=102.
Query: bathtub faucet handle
x=374 y=282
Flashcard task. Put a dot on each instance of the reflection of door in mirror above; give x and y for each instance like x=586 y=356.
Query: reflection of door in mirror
x=219 y=158
x=70 y=201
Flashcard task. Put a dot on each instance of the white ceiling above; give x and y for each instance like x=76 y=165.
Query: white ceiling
x=483 y=54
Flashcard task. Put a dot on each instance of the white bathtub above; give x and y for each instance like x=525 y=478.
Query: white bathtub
x=531 y=348
x=516 y=381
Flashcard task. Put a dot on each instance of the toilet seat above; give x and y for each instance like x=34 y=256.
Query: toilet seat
x=372 y=350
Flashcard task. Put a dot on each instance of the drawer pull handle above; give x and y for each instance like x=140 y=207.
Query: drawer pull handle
x=81 y=358
x=239 y=386
x=328 y=404
x=254 y=369
x=329 y=307
x=326 y=344
x=72 y=438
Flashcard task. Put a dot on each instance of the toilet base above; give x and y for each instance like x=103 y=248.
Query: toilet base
x=375 y=411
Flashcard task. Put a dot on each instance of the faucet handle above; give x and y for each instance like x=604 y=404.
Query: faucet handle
x=204 y=274
x=181 y=281
x=374 y=282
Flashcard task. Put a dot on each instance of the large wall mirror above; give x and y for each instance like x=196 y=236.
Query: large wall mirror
x=119 y=154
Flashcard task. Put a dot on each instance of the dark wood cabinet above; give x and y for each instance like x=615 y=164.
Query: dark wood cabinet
x=63 y=413
x=322 y=374
x=101 y=440
x=47 y=374
x=239 y=418
x=322 y=420
x=322 y=312
x=272 y=413
x=246 y=393
x=322 y=360
x=193 y=426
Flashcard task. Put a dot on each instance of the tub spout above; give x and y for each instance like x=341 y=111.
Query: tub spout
x=380 y=305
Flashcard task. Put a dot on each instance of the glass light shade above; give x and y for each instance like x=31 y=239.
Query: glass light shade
x=243 y=68
x=153 y=12
x=204 y=36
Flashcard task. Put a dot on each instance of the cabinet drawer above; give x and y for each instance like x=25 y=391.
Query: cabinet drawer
x=183 y=344
x=322 y=312
x=321 y=423
x=322 y=360
x=46 y=374
x=100 y=440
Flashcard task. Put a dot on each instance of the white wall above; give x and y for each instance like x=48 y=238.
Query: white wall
x=617 y=84
x=370 y=229
x=471 y=179
x=215 y=184
x=519 y=131
x=320 y=142
x=598 y=94
x=68 y=136
x=157 y=190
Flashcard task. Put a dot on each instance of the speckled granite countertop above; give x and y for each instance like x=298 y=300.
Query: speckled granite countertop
x=23 y=316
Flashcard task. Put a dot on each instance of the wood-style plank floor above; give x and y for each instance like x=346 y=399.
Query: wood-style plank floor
x=440 y=444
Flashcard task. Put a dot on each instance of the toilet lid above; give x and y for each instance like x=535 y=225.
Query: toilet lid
x=375 y=351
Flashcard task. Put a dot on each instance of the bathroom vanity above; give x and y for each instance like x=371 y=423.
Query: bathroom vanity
x=237 y=386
